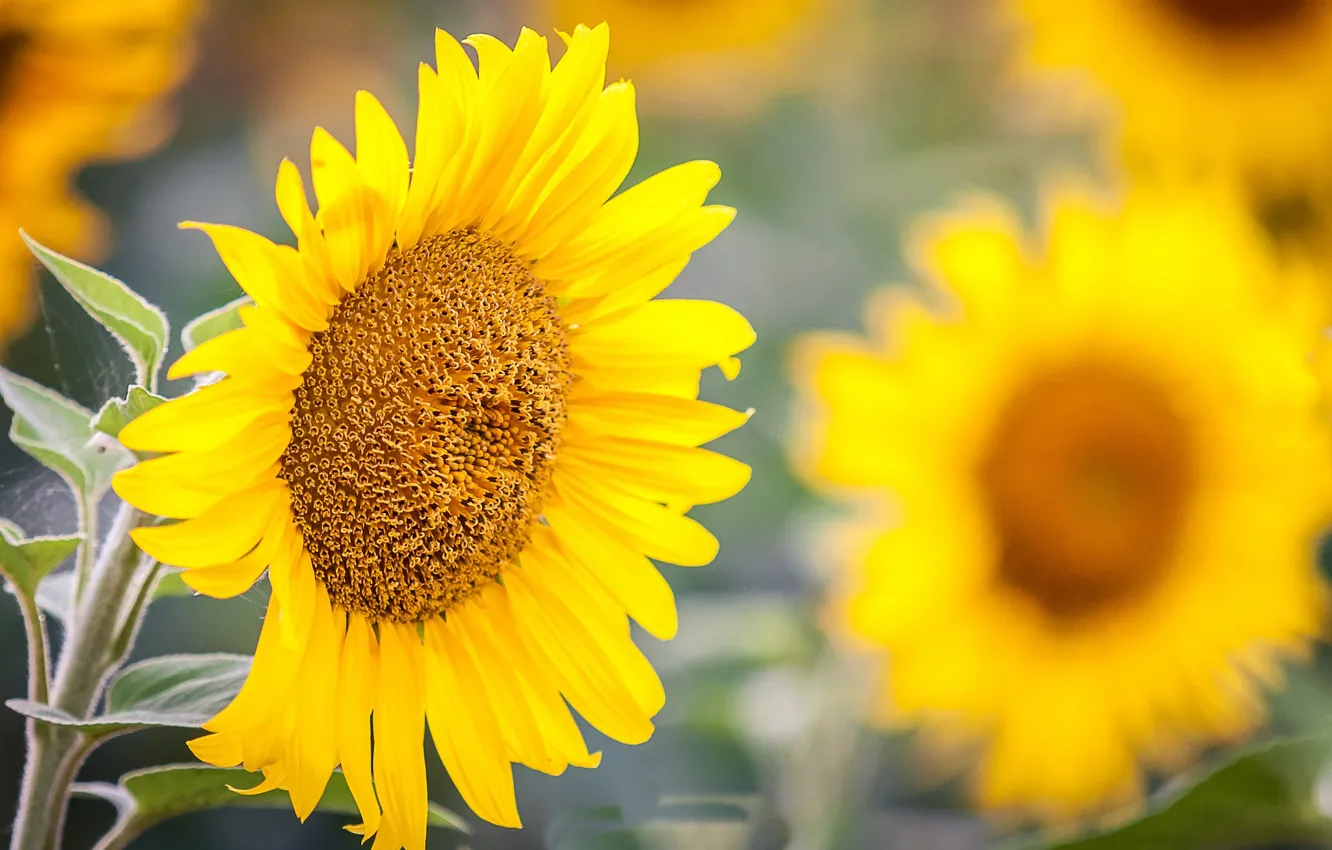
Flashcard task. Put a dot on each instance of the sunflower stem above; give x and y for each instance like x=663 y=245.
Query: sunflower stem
x=94 y=647
x=83 y=562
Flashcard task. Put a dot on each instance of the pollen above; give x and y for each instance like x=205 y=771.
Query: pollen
x=426 y=427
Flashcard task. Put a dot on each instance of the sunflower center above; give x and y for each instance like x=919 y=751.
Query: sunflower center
x=1087 y=477
x=12 y=44
x=1241 y=17
x=426 y=427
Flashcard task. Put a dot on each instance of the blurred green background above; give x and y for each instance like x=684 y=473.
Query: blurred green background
x=888 y=108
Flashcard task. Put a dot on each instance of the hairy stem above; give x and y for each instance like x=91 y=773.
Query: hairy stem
x=90 y=655
x=83 y=562
x=34 y=623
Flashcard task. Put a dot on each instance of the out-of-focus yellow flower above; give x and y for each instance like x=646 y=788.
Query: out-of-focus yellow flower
x=721 y=57
x=80 y=80
x=1200 y=84
x=454 y=428
x=1103 y=471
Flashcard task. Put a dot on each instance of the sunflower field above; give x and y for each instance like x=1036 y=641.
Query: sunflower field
x=666 y=424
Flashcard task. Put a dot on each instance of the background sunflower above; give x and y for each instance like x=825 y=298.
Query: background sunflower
x=80 y=82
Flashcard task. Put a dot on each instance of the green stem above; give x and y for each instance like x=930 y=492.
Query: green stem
x=91 y=653
x=83 y=563
x=34 y=623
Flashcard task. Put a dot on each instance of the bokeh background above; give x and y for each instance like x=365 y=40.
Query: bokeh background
x=835 y=122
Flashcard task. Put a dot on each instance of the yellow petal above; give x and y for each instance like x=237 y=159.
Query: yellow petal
x=203 y=419
x=656 y=471
x=586 y=672
x=348 y=209
x=357 y=685
x=220 y=749
x=294 y=586
x=381 y=156
x=629 y=220
x=666 y=419
x=591 y=172
x=313 y=752
x=285 y=343
x=274 y=777
x=462 y=723
x=295 y=209
x=187 y=484
x=267 y=684
x=271 y=276
x=436 y=138
x=512 y=104
x=654 y=530
x=626 y=574
x=558 y=729
x=662 y=334
x=235 y=353
x=399 y=722
x=223 y=533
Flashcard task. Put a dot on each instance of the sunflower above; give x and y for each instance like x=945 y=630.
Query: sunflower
x=454 y=428
x=1099 y=472
x=79 y=81
x=695 y=57
x=1201 y=84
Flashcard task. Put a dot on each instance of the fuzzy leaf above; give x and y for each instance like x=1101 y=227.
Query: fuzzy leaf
x=179 y=691
x=147 y=797
x=169 y=583
x=119 y=412
x=59 y=434
x=1264 y=796
x=213 y=323
x=55 y=594
x=139 y=326
x=25 y=562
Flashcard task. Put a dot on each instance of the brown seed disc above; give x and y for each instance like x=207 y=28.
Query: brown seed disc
x=426 y=427
x=1087 y=477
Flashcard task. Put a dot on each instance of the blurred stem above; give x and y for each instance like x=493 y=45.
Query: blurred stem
x=91 y=653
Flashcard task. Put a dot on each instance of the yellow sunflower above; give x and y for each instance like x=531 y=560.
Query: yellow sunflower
x=1099 y=472
x=79 y=81
x=696 y=57
x=1201 y=84
x=454 y=427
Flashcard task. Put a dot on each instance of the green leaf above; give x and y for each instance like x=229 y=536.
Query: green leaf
x=1263 y=796
x=177 y=687
x=55 y=594
x=147 y=797
x=213 y=323
x=59 y=434
x=177 y=691
x=25 y=562
x=119 y=412
x=169 y=583
x=139 y=326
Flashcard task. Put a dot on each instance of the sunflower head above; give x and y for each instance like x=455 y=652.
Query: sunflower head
x=454 y=427
x=1081 y=573
x=80 y=81
x=1196 y=85
x=721 y=58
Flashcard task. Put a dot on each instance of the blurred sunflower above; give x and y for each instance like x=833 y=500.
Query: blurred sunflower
x=717 y=57
x=1107 y=473
x=79 y=81
x=454 y=428
x=1210 y=84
